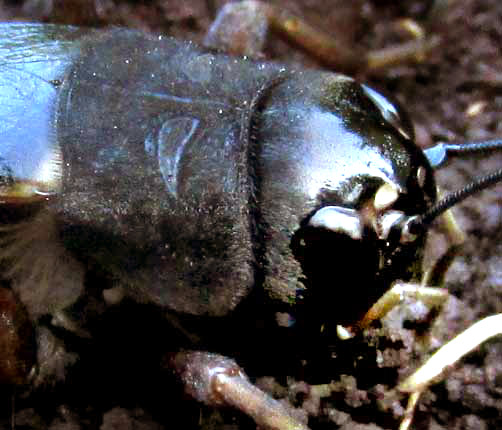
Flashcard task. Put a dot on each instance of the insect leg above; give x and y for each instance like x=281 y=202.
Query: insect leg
x=445 y=357
x=218 y=381
x=241 y=28
x=452 y=352
x=431 y=296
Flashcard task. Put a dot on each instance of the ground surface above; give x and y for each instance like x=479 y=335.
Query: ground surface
x=455 y=94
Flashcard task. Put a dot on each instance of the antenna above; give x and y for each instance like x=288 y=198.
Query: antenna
x=438 y=156
x=419 y=223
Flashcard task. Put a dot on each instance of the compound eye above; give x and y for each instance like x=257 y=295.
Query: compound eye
x=390 y=112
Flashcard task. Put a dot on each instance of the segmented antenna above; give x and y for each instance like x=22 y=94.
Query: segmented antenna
x=437 y=155
x=419 y=223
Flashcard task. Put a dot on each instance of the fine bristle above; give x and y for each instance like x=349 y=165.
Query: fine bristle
x=41 y=271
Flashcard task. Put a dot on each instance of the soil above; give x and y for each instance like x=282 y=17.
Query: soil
x=454 y=94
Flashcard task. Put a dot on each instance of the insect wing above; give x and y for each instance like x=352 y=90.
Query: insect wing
x=32 y=63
